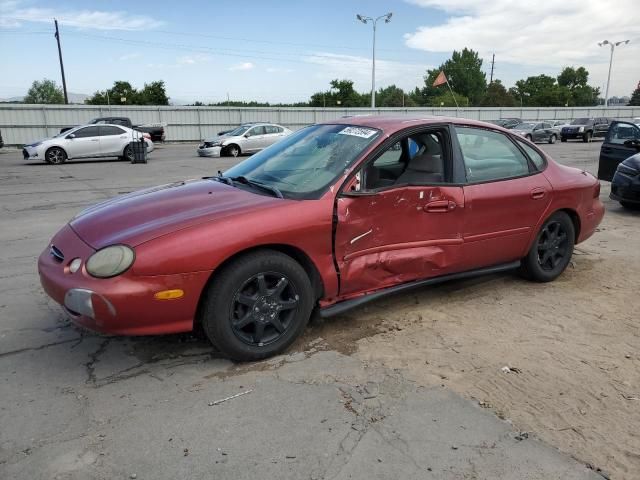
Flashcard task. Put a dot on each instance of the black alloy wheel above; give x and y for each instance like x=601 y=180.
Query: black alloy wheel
x=553 y=245
x=263 y=308
x=552 y=249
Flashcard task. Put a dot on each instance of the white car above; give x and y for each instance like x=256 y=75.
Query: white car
x=87 y=141
x=247 y=138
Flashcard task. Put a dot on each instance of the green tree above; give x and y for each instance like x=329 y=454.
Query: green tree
x=393 y=96
x=497 y=96
x=341 y=94
x=45 y=91
x=122 y=93
x=635 y=97
x=465 y=75
x=537 y=91
x=574 y=88
x=153 y=93
x=445 y=99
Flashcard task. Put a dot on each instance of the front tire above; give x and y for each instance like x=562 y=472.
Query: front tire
x=529 y=137
x=587 y=137
x=257 y=305
x=55 y=156
x=233 y=150
x=551 y=250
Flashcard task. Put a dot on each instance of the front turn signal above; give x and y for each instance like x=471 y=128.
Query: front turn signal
x=169 y=294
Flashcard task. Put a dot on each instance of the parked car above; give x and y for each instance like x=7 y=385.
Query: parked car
x=558 y=124
x=155 y=130
x=1 y=141
x=247 y=138
x=620 y=163
x=508 y=123
x=636 y=121
x=537 y=131
x=87 y=141
x=330 y=217
x=585 y=129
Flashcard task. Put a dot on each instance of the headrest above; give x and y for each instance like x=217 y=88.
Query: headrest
x=426 y=163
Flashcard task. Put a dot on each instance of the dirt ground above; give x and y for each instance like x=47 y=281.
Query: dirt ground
x=572 y=346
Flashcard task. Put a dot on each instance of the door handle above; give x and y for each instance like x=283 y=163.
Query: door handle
x=440 y=206
x=538 y=193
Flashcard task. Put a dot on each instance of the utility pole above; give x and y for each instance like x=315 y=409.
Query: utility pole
x=64 y=82
x=493 y=60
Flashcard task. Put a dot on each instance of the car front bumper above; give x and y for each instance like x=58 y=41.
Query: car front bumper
x=123 y=305
x=209 y=151
x=572 y=134
x=31 y=153
x=625 y=188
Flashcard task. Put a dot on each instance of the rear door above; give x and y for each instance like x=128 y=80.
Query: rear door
x=505 y=197
x=85 y=142
x=614 y=150
x=273 y=133
x=113 y=140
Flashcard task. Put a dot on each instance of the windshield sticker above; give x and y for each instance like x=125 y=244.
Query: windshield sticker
x=358 y=132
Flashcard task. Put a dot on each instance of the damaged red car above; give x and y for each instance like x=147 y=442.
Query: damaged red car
x=335 y=215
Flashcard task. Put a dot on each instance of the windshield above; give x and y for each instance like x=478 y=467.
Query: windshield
x=524 y=126
x=305 y=163
x=239 y=131
x=580 y=121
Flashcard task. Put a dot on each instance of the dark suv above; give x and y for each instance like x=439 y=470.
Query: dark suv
x=585 y=129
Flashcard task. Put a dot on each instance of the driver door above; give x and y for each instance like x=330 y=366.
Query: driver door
x=254 y=139
x=395 y=230
x=617 y=146
x=84 y=143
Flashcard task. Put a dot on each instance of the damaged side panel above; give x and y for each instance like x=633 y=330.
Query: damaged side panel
x=398 y=235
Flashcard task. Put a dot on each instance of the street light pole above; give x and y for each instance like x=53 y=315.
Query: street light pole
x=374 y=21
x=613 y=46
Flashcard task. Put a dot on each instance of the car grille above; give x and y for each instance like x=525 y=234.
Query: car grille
x=207 y=145
x=56 y=253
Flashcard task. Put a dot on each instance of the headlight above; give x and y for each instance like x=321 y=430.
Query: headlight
x=110 y=261
x=581 y=129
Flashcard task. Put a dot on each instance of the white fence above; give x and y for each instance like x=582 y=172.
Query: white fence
x=22 y=124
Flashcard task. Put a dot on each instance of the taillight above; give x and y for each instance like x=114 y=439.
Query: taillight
x=596 y=190
x=146 y=135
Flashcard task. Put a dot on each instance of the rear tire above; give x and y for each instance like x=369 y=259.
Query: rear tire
x=551 y=250
x=553 y=138
x=257 y=305
x=528 y=137
x=127 y=154
x=55 y=156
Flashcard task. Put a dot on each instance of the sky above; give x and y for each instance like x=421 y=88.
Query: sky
x=285 y=50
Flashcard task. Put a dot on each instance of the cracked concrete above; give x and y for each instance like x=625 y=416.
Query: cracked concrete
x=78 y=405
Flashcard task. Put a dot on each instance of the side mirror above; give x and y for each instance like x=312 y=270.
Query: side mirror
x=71 y=136
x=246 y=135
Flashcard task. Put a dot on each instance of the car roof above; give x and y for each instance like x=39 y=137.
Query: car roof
x=390 y=124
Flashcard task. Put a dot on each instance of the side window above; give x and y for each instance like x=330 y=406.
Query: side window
x=620 y=132
x=536 y=158
x=270 y=129
x=546 y=125
x=256 y=131
x=279 y=129
x=110 y=130
x=490 y=155
x=87 y=132
x=417 y=159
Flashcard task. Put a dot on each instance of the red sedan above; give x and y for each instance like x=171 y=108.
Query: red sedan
x=330 y=217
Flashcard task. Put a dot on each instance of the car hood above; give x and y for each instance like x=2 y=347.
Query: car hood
x=141 y=216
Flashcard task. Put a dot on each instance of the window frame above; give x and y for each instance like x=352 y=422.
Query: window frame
x=533 y=170
x=453 y=168
x=122 y=132
x=97 y=127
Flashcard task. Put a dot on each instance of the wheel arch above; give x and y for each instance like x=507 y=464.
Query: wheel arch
x=56 y=146
x=295 y=253
x=575 y=219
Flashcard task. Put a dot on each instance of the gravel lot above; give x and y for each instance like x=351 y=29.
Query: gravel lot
x=409 y=387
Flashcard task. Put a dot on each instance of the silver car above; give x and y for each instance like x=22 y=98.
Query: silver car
x=87 y=141
x=537 y=131
x=247 y=138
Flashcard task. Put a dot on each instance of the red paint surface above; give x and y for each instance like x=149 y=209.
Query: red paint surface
x=183 y=232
